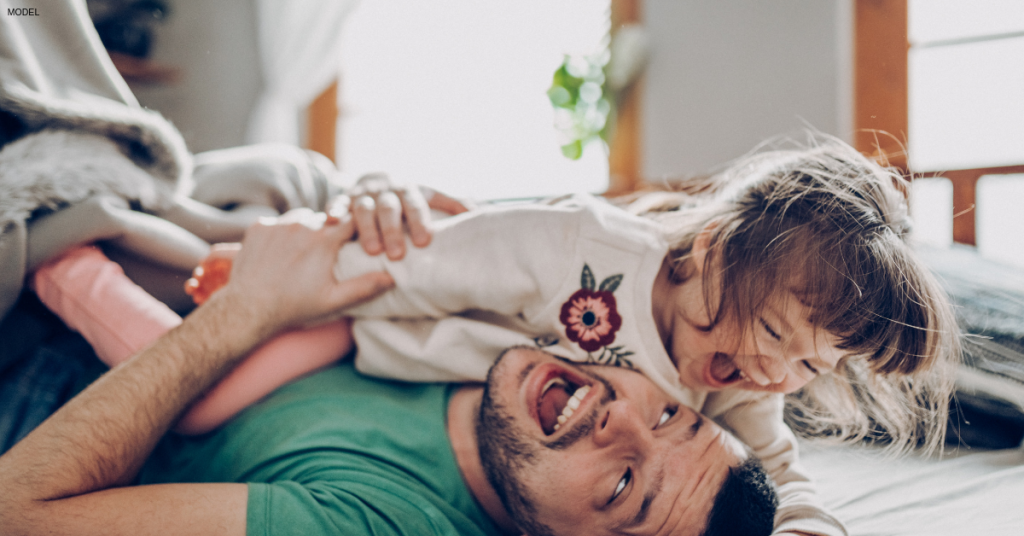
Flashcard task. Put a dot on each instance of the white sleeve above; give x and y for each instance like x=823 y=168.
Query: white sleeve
x=757 y=420
x=509 y=260
x=451 y=349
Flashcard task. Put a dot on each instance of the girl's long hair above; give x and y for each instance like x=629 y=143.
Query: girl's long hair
x=830 y=225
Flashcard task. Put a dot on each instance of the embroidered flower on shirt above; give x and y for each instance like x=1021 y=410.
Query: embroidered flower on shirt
x=590 y=319
x=590 y=316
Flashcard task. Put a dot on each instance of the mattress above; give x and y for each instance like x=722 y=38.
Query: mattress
x=966 y=492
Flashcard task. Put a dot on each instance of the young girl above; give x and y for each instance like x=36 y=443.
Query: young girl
x=791 y=273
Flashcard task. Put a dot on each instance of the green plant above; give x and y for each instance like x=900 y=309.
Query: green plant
x=582 y=104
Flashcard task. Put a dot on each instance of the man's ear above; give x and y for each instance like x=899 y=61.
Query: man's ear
x=701 y=245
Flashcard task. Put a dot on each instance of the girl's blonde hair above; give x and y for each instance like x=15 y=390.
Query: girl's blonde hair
x=829 y=224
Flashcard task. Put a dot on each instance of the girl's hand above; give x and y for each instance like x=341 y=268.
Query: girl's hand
x=213 y=272
x=379 y=210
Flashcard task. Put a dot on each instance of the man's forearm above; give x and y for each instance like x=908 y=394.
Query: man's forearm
x=58 y=479
x=101 y=438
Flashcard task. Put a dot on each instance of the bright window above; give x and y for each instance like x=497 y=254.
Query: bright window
x=1000 y=220
x=452 y=94
x=966 y=111
x=931 y=209
x=966 y=84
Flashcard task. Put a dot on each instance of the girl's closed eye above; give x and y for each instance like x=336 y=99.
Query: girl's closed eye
x=767 y=327
x=809 y=367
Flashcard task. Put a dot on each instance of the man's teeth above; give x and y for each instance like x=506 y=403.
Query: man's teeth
x=571 y=405
x=556 y=381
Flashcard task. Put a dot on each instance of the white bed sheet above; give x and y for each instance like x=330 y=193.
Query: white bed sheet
x=964 y=493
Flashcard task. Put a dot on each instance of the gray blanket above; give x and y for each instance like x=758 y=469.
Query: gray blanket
x=989 y=299
x=82 y=161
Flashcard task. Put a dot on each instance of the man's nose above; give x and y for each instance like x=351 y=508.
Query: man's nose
x=620 y=424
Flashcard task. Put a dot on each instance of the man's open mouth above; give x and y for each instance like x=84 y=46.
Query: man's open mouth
x=560 y=395
x=722 y=371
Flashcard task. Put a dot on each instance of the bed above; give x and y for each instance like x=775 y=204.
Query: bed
x=969 y=491
x=974 y=488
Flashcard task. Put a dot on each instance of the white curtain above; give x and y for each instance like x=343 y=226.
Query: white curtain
x=299 y=43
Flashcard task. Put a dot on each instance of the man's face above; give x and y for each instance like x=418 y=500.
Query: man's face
x=628 y=459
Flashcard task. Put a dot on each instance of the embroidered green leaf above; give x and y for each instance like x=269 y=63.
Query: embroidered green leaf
x=613 y=356
x=611 y=283
x=545 y=340
x=587 y=280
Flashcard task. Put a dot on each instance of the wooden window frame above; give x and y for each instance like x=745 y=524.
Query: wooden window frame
x=881 y=102
x=624 y=155
x=880 y=109
x=624 y=150
x=322 y=122
x=880 y=95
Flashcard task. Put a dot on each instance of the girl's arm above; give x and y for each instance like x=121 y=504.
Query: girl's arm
x=757 y=420
x=508 y=259
x=94 y=297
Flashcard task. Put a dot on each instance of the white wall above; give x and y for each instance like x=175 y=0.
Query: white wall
x=214 y=46
x=726 y=74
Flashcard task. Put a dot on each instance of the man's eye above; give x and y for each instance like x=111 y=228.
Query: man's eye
x=774 y=334
x=666 y=415
x=621 y=485
x=810 y=367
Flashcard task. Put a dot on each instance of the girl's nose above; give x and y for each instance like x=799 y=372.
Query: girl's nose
x=751 y=367
x=774 y=369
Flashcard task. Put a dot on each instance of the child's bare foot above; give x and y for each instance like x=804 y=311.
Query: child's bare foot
x=212 y=273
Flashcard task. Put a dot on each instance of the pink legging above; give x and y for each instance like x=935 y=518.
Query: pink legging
x=95 y=298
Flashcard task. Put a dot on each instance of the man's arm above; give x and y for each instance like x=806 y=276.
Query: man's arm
x=64 y=477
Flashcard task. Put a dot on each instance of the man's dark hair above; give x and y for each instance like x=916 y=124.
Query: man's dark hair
x=746 y=503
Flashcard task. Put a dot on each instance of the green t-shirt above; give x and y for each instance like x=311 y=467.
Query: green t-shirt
x=335 y=453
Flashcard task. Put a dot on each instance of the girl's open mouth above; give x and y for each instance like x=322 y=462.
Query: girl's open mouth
x=721 y=371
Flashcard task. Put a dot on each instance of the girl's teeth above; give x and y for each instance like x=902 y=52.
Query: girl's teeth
x=572 y=405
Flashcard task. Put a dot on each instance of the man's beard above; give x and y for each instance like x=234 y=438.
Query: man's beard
x=506 y=457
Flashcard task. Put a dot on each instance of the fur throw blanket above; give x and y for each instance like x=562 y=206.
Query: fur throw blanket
x=84 y=133
x=149 y=140
x=51 y=169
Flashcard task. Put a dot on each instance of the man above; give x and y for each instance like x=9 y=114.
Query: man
x=336 y=453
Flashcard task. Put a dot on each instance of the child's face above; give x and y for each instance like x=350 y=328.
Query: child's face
x=779 y=353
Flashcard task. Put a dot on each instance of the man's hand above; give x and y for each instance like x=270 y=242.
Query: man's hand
x=379 y=208
x=71 y=475
x=283 y=271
